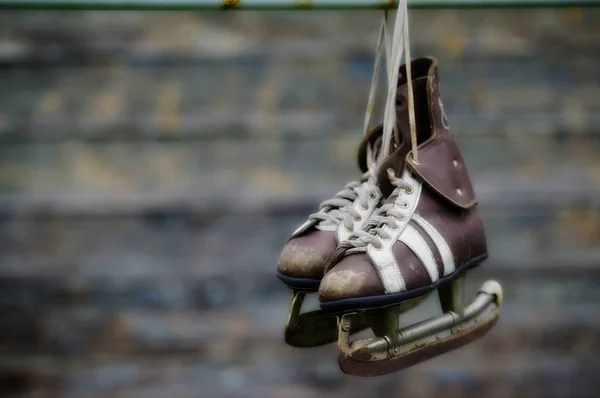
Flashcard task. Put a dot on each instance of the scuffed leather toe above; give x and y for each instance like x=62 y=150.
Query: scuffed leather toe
x=301 y=262
x=306 y=256
x=352 y=277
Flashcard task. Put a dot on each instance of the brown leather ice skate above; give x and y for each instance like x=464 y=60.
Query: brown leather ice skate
x=302 y=261
x=424 y=237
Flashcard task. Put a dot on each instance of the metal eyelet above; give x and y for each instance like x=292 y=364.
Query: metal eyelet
x=404 y=205
x=408 y=190
x=372 y=195
x=364 y=207
x=413 y=160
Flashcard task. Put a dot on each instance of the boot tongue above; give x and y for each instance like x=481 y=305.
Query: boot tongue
x=370 y=147
x=402 y=118
x=400 y=145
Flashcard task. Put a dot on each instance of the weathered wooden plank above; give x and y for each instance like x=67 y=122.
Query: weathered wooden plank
x=473 y=368
x=74 y=301
x=160 y=243
x=135 y=147
x=239 y=342
x=177 y=377
x=89 y=36
x=230 y=175
x=282 y=99
x=279 y=73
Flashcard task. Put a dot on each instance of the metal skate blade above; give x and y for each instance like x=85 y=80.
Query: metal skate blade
x=424 y=340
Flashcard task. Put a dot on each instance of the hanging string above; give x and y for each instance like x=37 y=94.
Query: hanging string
x=375 y=77
x=389 y=67
x=383 y=44
x=389 y=118
x=411 y=98
x=400 y=40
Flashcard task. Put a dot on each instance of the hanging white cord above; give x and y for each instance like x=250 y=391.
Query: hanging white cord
x=382 y=41
x=388 y=213
x=339 y=209
x=411 y=97
x=373 y=89
x=393 y=52
x=383 y=44
x=400 y=40
x=397 y=45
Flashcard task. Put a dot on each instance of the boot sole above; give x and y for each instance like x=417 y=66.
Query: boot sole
x=306 y=284
x=385 y=300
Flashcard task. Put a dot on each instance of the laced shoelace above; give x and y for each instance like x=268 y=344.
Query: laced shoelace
x=339 y=209
x=389 y=213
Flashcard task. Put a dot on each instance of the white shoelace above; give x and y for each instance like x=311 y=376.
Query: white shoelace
x=389 y=214
x=400 y=42
x=340 y=208
x=383 y=44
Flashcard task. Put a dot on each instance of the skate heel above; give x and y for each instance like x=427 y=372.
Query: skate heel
x=314 y=328
x=395 y=349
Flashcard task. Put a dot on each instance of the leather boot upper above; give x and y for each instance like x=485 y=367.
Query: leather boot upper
x=432 y=227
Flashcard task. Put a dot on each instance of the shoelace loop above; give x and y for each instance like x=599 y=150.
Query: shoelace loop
x=340 y=208
x=389 y=214
x=400 y=43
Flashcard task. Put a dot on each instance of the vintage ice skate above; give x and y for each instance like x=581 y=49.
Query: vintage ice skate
x=302 y=261
x=424 y=237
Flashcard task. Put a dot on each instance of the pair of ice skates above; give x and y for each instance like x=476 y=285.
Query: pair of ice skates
x=407 y=227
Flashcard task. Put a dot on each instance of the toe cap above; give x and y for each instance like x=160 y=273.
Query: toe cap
x=306 y=256
x=352 y=277
x=301 y=262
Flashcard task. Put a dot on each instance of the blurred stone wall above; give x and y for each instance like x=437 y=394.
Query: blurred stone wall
x=152 y=165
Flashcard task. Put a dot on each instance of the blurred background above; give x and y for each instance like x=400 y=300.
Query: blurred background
x=152 y=165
